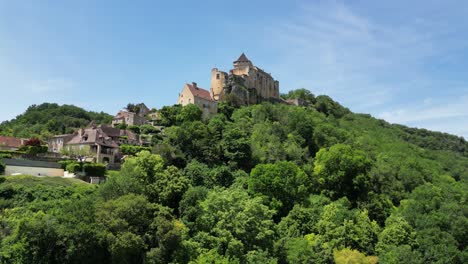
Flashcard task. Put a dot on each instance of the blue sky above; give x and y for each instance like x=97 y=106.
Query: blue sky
x=403 y=61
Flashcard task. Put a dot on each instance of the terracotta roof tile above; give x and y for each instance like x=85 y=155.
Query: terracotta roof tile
x=11 y=142
x=199 y=92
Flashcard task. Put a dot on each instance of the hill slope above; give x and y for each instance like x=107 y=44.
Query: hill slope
x=266 y=183
x=49 y=119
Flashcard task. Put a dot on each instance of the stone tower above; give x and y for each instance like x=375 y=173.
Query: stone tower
x=218 y=82
x=247 y=81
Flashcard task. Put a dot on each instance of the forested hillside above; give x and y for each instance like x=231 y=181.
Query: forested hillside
x=49 y=119
x=267 y=183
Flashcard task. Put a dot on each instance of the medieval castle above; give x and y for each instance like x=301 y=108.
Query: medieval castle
x=246 y=81
x=246 y=84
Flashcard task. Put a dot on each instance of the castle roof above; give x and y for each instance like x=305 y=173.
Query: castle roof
x=199 y=92
x=11 y=142
x=101 y=135
x=242 y=58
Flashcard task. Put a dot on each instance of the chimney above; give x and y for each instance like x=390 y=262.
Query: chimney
x=194 y=84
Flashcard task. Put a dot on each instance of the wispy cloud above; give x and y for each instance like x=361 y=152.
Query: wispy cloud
x=429 y=109
x=367 y=63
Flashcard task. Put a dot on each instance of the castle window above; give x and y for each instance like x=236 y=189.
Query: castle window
x=217 y=76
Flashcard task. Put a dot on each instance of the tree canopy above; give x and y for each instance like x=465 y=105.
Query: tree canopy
x=265 y=183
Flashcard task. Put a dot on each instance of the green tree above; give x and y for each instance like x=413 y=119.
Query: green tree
x=283 y=183
x=350 y=256
x=342 y=171
x=169 y=115
x=190 y=113
x=235 y=223
x=302 y=94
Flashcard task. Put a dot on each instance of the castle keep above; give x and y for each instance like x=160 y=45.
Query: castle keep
x=249 y=83
x=246 y=84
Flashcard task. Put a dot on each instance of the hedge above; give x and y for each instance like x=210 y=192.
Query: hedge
x=2 y=167
x=64 y=163
x=5 y=156
x=132 y=150
x=12 y=152
x=95 y=169
x=73 y=167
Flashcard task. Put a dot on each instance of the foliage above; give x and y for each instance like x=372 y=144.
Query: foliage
x=2 y=166
x=148 y=129
x=95 y=169
x=33 y=142
x=33 y=150
x=265 y=183
x=342 y=171
x=73 y=167
x=302 y=94
x=49 y=119
x=132 y=150
x=350 y=256
x=284 y=183
x=189 y=113
x=5 y=156
x=64 y=163
x=134 y=108
x=134 y=129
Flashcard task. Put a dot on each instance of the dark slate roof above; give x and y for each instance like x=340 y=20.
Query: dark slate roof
x=242 y=58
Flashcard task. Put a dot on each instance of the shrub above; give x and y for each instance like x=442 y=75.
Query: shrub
x=134 y=129
x=148 y=129
x=64 y=163
x=132 y=150
x=5 y=156
x=33 y=142
x=2 y=167
x=73 y=167
x=95 y=169
x=33 y=150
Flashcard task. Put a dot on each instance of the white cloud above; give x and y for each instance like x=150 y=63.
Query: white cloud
x=368 y=63
x=457 y=108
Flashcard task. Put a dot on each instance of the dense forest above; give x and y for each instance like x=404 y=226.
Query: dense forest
x=266 y=183
x=48 y=119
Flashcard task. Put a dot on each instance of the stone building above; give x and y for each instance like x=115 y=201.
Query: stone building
x=248 y=82
x=192 y=94
x=11 y=143
x=129 y=118
x=56 y=143
x=101 y=143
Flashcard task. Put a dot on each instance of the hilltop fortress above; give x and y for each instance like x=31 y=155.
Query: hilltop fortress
x=245 y=84
x=248 y=82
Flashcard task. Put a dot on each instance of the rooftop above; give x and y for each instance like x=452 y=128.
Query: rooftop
x=199 y=92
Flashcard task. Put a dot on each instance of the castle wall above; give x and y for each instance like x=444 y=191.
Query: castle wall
x=185 y=97
x=256 y=78
x=208 y=107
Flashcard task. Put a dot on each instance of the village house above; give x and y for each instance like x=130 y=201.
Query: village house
x=129 y=118
x=56 y=143
x=192 y=94
x=11 y=143
x=132 y=118
x=96 y=143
